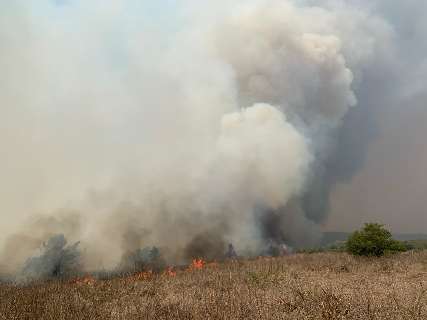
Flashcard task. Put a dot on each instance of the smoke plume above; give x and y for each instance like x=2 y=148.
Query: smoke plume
x=217 y=123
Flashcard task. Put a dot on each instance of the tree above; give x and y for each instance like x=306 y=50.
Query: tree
x=56 y=260
x=146 y=259
x=373 y=240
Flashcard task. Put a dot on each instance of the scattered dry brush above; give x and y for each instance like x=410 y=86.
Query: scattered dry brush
x=302 y=286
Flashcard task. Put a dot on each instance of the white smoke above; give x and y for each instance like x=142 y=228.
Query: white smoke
x=157 y=136
x=244 y=158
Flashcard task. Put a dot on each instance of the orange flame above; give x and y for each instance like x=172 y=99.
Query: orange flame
x=197 y=264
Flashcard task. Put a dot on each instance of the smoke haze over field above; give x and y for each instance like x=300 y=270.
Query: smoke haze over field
x=128 y=124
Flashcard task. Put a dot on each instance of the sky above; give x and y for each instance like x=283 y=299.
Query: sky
x=394 y=161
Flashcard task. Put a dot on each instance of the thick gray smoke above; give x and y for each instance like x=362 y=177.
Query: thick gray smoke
x=220 y=123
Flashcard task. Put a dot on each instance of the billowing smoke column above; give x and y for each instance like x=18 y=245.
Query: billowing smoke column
x=218 y=132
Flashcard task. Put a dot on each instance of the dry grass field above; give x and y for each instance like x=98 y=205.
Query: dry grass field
x=302 y=286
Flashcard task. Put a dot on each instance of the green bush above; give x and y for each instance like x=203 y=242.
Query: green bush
x=373 y=240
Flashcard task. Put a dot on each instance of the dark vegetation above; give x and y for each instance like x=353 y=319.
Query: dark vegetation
x=56 y=260
x=373 y=240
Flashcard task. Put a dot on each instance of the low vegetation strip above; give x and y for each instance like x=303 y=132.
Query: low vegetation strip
x=300 y=286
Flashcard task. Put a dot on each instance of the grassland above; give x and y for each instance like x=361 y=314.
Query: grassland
x=302 y=286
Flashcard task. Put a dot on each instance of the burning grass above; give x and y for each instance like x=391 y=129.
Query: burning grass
x=197 y=264
x=301 y=286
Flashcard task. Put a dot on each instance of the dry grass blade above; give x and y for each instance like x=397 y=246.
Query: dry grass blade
x=303 y=286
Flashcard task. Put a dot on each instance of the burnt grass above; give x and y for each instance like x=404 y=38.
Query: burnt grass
x=302 y=286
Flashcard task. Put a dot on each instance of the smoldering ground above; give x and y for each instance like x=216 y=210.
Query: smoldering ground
x=218 y=123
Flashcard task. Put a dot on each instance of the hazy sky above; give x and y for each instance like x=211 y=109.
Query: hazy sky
x=71 y=119
x=390 y=186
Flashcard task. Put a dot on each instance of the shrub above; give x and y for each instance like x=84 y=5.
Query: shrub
x=146 y=259
x=373 y=240
x=57 y=260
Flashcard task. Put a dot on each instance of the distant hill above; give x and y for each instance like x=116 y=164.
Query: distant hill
x=333 y=237
x=410 y=236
